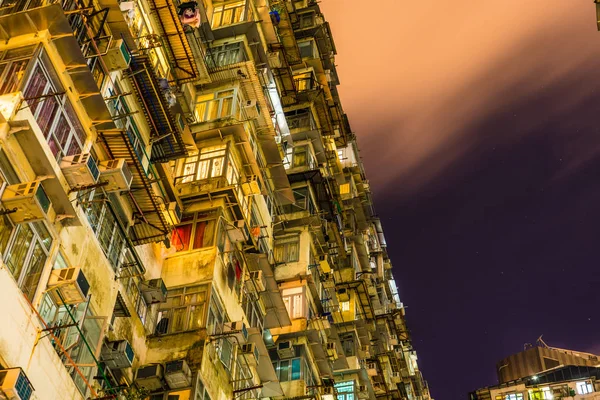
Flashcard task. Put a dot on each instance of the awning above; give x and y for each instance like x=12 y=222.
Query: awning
x=39 y=156
x=277 y=314
x=150 y=224
x=168 y=143
x=265 y=370
x=175 y=40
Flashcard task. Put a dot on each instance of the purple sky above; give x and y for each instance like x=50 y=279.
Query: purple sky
x=477 y=126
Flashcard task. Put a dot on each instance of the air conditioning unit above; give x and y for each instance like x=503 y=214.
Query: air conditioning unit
x=118 y=354
x=371 y=369
x=396 y=377
x=275 y=59
x=173 y=213
x=257 y=282
x=251 y=354
x=14 y=385
x=178 y=374
x=325 y=267
x=154 y=291
x=237 y=329
x=117 y=174
x=69 y=286
x=286 y=349
x=300 y=4
x=238 y=232
x=80 y=170
x=261 y=305
x=365 y=350
x=332 y=351
x=117 y=58
x=326 y=390
x=393 y=340
x=251 y=187
x=250 y=109
x=149 y=377
x=30 y=202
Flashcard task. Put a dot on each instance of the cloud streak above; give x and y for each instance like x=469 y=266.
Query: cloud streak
x=421 y=78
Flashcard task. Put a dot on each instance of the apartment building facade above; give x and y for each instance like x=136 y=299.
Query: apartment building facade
x=184 y=212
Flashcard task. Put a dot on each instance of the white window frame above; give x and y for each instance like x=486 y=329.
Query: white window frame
x=585 y=387
x=296 y=301
x=202 y=114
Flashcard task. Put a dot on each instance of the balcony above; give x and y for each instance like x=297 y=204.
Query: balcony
x=165 y=134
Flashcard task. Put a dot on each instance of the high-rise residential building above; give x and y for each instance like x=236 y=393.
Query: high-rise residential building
x=184 y=212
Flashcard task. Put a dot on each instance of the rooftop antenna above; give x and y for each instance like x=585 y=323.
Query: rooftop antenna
x=541 y=343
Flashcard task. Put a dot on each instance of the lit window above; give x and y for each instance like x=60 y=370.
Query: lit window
x=584 y=388
x=345 y=305
x=513 y=396
x=213 y=106
x=295 y=302
x=211 y=162
x=231 y=13
x=288 y=370
x=226 y=54
x=184 y=310
x=345 y=390
x=304 y=81
x=344 y=188
x=195 y=232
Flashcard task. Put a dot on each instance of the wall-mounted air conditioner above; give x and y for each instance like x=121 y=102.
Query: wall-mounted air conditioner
x=396 y=377
x=250 y=109
x=80 y=170
x=251 y=187
x=117 y=174
x=250 y=352
x=69 y=286
x=237 y=329
x=327 y=280
x=363 y=392
x=237 y=232
x=29 y=202
x=154 y=291
x=324 y=264
x=149 y=377
x=393 y=340
x=257 y=282
x=286 y=349
x=178 y=374
x=14 y=385
x=117 y=58
x=118 y=354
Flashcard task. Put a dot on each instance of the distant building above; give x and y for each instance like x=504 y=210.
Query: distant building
x=568 y=382
x=542 y=372
x=184 y=214
x=538 y=359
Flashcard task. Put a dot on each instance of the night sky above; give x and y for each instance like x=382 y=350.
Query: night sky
x=477 y=127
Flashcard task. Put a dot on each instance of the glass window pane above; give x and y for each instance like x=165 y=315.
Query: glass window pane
x=19 y=250
x=295 y=369
x=36 y=265
x=284 y=373
x=181 y=237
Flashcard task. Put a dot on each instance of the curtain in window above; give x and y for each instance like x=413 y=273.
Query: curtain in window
x=181 y=237
x=35 y=87
x=47 y=114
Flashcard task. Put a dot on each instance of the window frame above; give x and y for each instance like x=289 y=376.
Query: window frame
x=283 y=249
x=167 y=310
x=194 y=219
x=296 y=297
x=219 y=12
x=220 y=97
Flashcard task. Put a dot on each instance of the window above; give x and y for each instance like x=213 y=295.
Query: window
x=541 y=394
x=299 y=156
x=213 y=106
x=184 y=310
x=13 y=64
x=54 y=114
x=304 y=81
x=105 y=224
x=201 y=393
x=209 y=163
x=345 y=305
x=301 y=118
x=230 y=13
x=306 y=20
x=195 y=232
x=253 y=313
x=307 y=49
x=510 y=396
x=348 y=344
x=295 y=302
x=288 y=370
x=26 y=255
x=303 y=201
x=287 y=249
x=226 y=54
x=584 y=388
x=345 y=390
